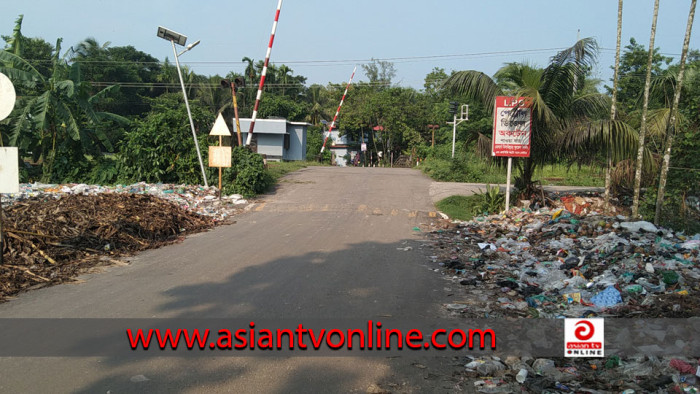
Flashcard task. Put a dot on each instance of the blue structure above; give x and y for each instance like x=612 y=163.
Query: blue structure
x=278 y=139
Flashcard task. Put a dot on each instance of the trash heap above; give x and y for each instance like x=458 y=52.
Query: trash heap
x=636 y=375
x=554 y=263
x=197 y=199
x=50 y=240
x=570 y=261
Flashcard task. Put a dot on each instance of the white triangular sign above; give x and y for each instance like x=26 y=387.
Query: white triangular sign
x=220 y=127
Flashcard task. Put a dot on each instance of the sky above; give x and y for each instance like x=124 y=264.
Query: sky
x=324 y=39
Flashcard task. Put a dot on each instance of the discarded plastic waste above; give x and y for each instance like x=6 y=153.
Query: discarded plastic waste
x=640 y=225
x=608 y=297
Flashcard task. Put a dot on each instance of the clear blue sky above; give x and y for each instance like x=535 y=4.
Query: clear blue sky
x=324 y=39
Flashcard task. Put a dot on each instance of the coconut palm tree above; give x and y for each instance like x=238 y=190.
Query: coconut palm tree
x=318 y=98
x=284 y=74
x=645 y=107
x=249 y=69
x=560 y=103
x=672 y=118
x=613 y=104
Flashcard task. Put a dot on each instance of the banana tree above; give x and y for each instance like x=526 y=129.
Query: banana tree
x=59 y=115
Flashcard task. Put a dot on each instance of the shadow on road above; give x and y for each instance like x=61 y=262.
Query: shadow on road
x=297 y=287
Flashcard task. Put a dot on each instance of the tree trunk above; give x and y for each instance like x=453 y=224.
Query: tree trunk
x=671 y=126
x=613 y=106
x=643 y=127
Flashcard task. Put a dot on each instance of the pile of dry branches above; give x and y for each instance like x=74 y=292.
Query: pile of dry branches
x=48 y=241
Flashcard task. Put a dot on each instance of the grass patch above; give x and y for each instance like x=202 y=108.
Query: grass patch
x=474 y=170
x=560 y=175
x=459 y=207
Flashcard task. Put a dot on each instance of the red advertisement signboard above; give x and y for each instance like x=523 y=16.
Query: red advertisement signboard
x=512 y=127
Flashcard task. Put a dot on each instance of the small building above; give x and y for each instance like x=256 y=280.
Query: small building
x=278 y=139
x=344 y=149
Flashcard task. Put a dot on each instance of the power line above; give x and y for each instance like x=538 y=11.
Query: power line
x=320 y=62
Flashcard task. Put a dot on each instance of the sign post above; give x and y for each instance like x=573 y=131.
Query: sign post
x=512 y=128
x=220 y=156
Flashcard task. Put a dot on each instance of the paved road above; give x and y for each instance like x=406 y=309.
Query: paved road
x=325 y=245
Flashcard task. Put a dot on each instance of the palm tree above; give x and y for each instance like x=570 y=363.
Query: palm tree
x=672 y=118
x=167 y=77
x=90 y=48
x=317 y=102
x=613 y=104
x=559 y=101
x=60 y=114
x=249 y=69
x=284 y=74
x=645 y=107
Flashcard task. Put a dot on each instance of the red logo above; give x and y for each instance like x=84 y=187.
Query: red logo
x=584 y=332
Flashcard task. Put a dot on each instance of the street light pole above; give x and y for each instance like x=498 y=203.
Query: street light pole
x=187 y=105
x=180 y=39
x=464 y=115
x=454 y=133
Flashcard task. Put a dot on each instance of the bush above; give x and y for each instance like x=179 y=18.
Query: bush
x=247 y=175
x=461 y=169
x=160 y=146
x=682 y=188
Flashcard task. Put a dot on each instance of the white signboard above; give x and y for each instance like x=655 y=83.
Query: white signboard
x=219 y=156
x=512 y=126
x=9 y=170
x=220 y=127
x=363 y=147
x=7 y=96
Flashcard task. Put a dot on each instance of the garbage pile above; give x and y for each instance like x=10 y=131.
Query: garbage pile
x=570 y=261
x=562 y=375
x=49 y=240
x=198 y=199
x=555 y=263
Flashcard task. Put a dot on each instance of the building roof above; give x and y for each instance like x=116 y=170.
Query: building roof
x=269 y=126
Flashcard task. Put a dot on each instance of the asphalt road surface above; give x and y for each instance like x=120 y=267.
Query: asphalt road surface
x=329 y=243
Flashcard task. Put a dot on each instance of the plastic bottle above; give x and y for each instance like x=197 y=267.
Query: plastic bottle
x=521 y=376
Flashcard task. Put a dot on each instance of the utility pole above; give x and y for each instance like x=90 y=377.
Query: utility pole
x=432 y=128
x=464 y=115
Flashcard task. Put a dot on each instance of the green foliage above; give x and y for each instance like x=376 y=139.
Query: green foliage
x=490 y=201
x=434 y=80
x=465 y=167
x=560 y=100
x=633 y=68
x=280 y=106
x=379 y=72
x=55 y=118
x=247 y=175
x=314 y=142
x=125 y=65
x=160 y=147
x=683 y=183
x=465 y=207
x=103 y=171
x=459 y=169
x=458 y=207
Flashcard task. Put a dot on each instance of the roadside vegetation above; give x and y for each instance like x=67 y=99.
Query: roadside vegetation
x=469 y=168
x=100 y=114
x=488 y=201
